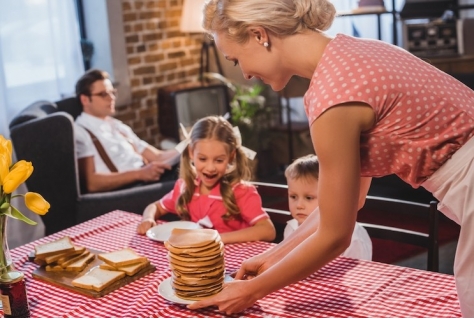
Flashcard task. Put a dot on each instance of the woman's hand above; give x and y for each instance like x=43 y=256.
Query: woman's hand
x=254 y=266
x=235 y=297
x=238 y=295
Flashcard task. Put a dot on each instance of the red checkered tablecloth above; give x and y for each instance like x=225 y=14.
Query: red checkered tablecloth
x=344 y=288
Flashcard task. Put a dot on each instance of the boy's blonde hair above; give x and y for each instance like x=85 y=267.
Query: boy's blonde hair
x=219 y=129
x=304 y=167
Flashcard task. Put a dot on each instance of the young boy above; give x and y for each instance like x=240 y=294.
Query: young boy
x=302 y=178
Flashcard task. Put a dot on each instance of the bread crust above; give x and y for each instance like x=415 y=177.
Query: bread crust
x=123 y=257
x=98 y=279
x=61 y=245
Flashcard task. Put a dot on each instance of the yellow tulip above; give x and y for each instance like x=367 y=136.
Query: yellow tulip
x=4 y=167
x=17 y=175
x=36 y=203
x=6 y=148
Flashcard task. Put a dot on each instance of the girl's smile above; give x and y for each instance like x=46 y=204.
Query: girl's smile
x=211 y=158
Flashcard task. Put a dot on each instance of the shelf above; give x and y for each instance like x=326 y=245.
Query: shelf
x=363 y=11
x=458 y=64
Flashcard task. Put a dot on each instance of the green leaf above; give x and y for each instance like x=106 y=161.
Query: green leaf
x=4 y=206
x=15 y=213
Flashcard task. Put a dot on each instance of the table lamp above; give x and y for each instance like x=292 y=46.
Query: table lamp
x=191 y=22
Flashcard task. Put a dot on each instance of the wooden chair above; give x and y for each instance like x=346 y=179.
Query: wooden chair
x=275 y=203
x=396 y=207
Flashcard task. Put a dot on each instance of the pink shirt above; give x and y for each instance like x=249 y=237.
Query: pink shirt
x=423 y=115
x=212 y=206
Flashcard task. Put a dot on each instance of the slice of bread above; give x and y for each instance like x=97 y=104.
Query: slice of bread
x=106 y=266
x=65 y=261
x=54 y=267
x=77 y=251
x=123 y=257
x=97 y=279
x=133 y=269
x=39 y=261
x=61 y=245
x=129 y=270
x=80 y=264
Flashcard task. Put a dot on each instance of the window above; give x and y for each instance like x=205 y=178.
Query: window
x=40 y=55
x=103 y=28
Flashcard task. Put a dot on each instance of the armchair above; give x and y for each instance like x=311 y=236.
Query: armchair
x=43 y=133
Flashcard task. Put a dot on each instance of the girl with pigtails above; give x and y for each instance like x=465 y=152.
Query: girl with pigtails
x=212 y=189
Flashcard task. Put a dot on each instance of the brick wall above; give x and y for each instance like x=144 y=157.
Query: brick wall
x=158 y=55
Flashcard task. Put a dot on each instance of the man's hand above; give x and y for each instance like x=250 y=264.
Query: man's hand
x=235 y=297
x=152 y=171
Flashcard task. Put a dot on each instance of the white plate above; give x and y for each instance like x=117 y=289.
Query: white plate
x=163 y=231
x=166 y=291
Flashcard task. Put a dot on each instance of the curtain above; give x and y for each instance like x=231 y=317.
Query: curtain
x=40 y=53
x=365 y=26
x=40 y=59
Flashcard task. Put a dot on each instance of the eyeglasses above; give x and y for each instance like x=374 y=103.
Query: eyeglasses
x=105 y=94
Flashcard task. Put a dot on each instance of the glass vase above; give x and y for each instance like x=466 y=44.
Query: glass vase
x=6 y=263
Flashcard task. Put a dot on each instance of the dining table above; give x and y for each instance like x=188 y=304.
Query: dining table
x=345 y=287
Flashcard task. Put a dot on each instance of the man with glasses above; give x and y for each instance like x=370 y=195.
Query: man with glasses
x=110 y=155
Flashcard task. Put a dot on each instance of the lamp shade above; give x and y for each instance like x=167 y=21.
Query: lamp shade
x=191 y=19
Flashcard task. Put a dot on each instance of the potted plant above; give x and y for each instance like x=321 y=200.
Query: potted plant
x=248 y=111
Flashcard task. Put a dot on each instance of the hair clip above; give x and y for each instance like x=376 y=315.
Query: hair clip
x=247 y=151
x=185 y=142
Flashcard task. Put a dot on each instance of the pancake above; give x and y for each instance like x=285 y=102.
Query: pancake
x=215 y=246
x=194 y=295
x=194 y=290
x=187 y=258
x=184 y=238
x=206 y=255
x=204 y=275
x=196 y=264
x=197 y=282
x=196 y=259
x=199 y=272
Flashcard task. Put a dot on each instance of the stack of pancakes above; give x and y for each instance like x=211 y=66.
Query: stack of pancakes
x=196 y=259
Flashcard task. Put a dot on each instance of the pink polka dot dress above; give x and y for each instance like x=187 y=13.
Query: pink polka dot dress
x=422 y=114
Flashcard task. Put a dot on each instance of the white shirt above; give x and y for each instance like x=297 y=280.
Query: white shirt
x=121 y=144
x=360 y=247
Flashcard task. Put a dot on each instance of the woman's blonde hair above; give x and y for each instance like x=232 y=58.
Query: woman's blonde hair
x=279 y=17
x=219 y=129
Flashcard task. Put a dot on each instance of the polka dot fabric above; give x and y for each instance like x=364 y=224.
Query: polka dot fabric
x=422 y=114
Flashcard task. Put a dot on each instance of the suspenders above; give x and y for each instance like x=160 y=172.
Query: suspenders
x=102 y=152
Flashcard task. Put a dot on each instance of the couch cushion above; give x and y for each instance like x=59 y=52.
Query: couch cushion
x=70 y=105
x=36 y=110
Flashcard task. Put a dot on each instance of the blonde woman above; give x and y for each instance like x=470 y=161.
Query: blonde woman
x=374 y=109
